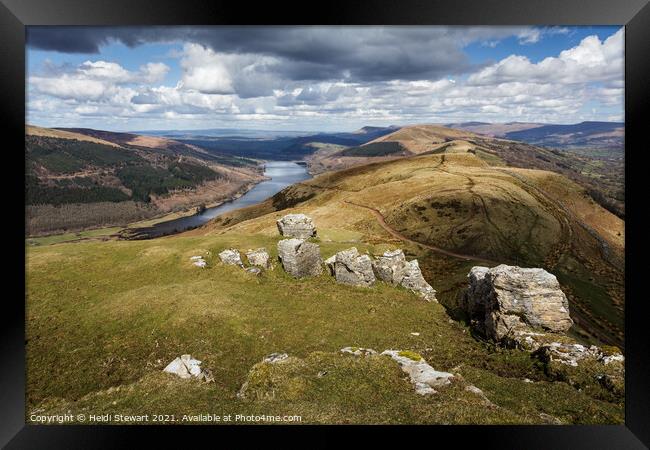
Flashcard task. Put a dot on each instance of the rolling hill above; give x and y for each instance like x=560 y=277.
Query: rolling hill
x=142 y=303
x=283 y=147
x=79 y=178
x=604 y=185
x=456 y=202
x=584 y=134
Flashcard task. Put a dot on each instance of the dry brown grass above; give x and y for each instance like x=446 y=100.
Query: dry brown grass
x=50 y=132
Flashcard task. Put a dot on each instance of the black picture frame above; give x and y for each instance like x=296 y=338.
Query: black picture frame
x=16 y=14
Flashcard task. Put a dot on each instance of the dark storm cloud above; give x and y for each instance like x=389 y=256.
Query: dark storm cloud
x=307 y=53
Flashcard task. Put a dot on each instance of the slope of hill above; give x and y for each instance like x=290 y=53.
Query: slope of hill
x=585 y=134
x=158 y=306
x=126 y=309
x=457 y=203
x=130 y=177
x=608 y=135
x=606 y=187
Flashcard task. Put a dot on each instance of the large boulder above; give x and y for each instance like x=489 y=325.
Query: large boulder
x=259 y=257
x=352 y=268
x=389 y=267
x=300 y=258
x=296 y=226
x=505 y=299
x=231 y=257
x=393 y=268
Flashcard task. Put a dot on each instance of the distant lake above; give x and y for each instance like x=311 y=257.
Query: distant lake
x=282 y=174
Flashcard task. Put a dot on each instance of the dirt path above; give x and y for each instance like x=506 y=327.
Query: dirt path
x=398 y=235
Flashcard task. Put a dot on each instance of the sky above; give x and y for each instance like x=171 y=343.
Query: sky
x=320 y=78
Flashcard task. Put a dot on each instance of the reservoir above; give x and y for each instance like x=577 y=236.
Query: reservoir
x=282 y=174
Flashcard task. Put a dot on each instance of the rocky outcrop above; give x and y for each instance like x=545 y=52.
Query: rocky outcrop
x=413 y=280
x=423 y=377
x=601 y=372
x=300 y=258
x=259 y=257
x=526 y=309
x=231 y=257
x=390 y=266
x=351 y=268
x=296 y=226
x=393 y=268
x=187 y=367
x=506 y=299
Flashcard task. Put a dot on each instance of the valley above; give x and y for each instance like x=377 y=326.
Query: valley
x=451 y=199
x=80 y=179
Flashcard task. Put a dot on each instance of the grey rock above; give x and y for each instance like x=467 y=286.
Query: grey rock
x=300 y=258
x=254 y=270
x=187 y=367
x=329 y=262
x=259 y=257
x=390 y=266
x=505 y=299
x=232 y=257
x=358 y=351
x=393 y=268
x=296 y=226
x=274 y=358
x=423 y=377
x=353 y=269
x=413 y=280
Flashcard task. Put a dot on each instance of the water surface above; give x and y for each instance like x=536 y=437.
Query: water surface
x=282 y=174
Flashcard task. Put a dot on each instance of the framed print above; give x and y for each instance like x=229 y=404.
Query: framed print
x=414 y=214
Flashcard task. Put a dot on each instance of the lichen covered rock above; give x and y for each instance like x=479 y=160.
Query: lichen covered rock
x=393 y=268
x=352 y=268
x=413 y=280
x=389 y=267
x=231 y=257
x=300 y=258
x=423 y=377
x=505 y=299
x=296 y=226
x=259 y=257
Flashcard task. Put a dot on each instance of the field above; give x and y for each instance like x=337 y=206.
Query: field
x=104 y=318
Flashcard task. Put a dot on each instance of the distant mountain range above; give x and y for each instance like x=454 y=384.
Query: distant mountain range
x=282 y=147
x=584 y=134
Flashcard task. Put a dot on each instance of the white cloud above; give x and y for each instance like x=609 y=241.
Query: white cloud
x=216 y=88
x=590 y=61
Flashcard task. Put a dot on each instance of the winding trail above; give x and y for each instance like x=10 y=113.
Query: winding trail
x=400 y=236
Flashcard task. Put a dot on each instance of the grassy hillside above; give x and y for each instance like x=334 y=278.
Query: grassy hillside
x=375 y=149
x=455 y=201
x=602 y=177
x=104 y=318
x=132 y=177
